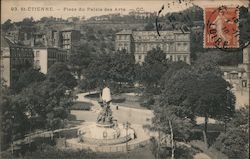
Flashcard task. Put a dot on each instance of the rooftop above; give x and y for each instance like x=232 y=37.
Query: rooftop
x=65 y=30
x=5 y=42
x=125 y=32
x=231 y=69
x=150 y=32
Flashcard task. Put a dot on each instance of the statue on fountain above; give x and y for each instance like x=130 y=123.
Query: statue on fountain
x=105 y=116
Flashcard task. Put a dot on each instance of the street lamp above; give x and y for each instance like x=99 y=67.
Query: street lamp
x=12 y=146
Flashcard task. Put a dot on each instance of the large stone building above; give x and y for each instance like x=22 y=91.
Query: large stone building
x=69 y=39
x=239 y=78
x=14 y=59
x=46 y=57
x=65 y=39
x=175 y=44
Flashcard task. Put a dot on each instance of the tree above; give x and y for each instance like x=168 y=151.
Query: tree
x=98 y=70
x=28 y=21
x=215 y=99
x=46 y=104
x=80 y=59
x=153 y=68
x=149 y=26
x=60 y=73
x=14 y=122
x=234 y=142
x=173 y=120
x=7 y=25
x=6 y=117
x=116 y=68
x=28 y=77
x=122 y=68
x=201 y=89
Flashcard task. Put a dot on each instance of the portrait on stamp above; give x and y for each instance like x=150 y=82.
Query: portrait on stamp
x=221 y=27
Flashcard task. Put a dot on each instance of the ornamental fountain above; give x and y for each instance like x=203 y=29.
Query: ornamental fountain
x=106 y=130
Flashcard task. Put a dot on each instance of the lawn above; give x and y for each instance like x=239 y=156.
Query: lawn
x=124 y=99
x=81 y=106
x=131 y=100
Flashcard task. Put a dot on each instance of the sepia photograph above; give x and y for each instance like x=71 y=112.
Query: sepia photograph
x=124 y=79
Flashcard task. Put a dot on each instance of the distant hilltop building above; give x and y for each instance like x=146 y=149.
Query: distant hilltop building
x=175 y=44
x=140 y=13
x=239 y=78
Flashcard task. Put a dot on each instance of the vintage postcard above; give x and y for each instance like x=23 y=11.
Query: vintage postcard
x=138 y=79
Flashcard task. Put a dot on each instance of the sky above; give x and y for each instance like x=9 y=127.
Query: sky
x=16 y=10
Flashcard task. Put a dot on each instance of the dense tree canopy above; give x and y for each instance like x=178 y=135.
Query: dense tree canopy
x=29 y=76
x=235 y=141
x=42 y=102
x=116 y=68
x=152 y=69
x=80 y=59
x=60 y=73
x=200 y=89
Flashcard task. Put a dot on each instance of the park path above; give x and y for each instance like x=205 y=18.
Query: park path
x=201 y=156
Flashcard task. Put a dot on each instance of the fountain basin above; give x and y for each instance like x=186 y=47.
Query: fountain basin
x=101 y=135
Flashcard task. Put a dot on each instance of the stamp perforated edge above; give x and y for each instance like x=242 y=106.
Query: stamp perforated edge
x=204 y=30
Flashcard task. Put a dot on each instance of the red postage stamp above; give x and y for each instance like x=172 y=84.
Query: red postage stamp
x=221 y=27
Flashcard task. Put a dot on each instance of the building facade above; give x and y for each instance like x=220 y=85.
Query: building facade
x=66 y=39
x=14 y=59
x=69 y=39
x=239 y=78
x=175 y=44
x=44 y=57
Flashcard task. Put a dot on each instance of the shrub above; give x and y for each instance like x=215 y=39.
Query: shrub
x=148 y=103
x=72 y=133
x=71 y=117
x=233 y=143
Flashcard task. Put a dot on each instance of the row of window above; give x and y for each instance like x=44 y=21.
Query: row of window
x=183 y=58
x=155 y=37
x=20 y=49
x=123 y=37
x=55 y=54
x=21 y=54
x=123 y=44
x=68 y=41
x=148 y=47
x=142 y=47
x=122 y=48
x=67 y=46
x=66 y=35
x=182 y=47
x=19 y=61
x=181 y=37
